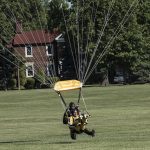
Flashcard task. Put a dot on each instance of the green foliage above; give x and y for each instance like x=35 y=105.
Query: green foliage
x=12 y=83
x=84 y=21
x=142 y=72
x=22 y=75
x=6 y=66
x=30 y=12
x=54 y=79
x=30 y=83
x=32 y=15
x=40 y=76
x=54 y=10
x=130 y=49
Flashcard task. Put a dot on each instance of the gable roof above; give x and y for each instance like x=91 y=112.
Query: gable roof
x=34 y=37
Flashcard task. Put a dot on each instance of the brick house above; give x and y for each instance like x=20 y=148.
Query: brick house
x=39 y=49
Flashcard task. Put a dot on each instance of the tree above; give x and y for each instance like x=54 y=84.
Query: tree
x=142 y=70
x=32 y=15
x=54 y=13
x=128 y=49
x=83 y=23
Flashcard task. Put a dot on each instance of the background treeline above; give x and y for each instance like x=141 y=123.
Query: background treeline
x=130 y=49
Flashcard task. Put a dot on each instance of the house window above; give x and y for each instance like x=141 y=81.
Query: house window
x=28 y=51
x=49 y=50
x=29 y=70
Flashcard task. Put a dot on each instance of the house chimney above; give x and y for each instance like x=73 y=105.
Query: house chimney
x=18 y=27
x=46 y=31
x=56 y=30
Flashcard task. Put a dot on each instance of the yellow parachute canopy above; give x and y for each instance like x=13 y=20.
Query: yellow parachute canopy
x=67 y=85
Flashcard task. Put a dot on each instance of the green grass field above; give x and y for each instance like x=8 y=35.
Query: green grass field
x=32 y=120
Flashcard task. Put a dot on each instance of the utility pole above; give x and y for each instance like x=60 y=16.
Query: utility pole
x=18 y=76
x=4 y=70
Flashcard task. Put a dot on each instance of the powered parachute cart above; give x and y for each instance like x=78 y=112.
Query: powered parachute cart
x=73 y=117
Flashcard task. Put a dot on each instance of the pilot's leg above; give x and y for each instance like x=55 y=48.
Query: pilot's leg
x=92 y=133
x=73 y=134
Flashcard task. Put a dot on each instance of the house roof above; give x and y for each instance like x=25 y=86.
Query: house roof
x=34 y=37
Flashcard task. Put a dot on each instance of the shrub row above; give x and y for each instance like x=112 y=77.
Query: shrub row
x=30 y=83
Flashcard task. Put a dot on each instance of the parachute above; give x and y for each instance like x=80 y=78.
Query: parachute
x=67 y=85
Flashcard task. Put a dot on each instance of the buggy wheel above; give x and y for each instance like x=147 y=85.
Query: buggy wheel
x=73 y=134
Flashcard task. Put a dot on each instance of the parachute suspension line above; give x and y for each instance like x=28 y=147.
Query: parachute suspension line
x=14 y=20
x=40 y=78
x=117 y=31
x=26 y=37
x=19 y=60
x=62 y=100
x=67 y=86
x=51 y=81
x=38 y=35
x=52 y=71
x=82 y=43
x=19 y=37
x=79 y=96
x=81 y=46
x=84 y=104
x=107 y=18
x=15 y=65
x=88 y=40
x=54 y=67
x=78 y=38
x=75 y=52
x=69 y=41
x=46 y=65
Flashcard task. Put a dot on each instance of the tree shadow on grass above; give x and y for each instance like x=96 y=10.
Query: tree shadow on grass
x=62 y=142
x=28 y=142
x=18 y=142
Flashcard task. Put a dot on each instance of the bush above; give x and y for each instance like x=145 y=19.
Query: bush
x=12 y=83
x=53 y=79
x=22 y=78
x=40 y=76
x=45 y=86
x=30 y=83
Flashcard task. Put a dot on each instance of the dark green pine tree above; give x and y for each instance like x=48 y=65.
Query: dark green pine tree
x=142 y=69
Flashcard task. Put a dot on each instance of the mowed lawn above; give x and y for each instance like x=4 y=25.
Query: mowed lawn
x=32 y=120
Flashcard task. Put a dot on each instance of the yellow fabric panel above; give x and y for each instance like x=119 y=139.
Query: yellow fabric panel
x=67 y=85
x=70 y=120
